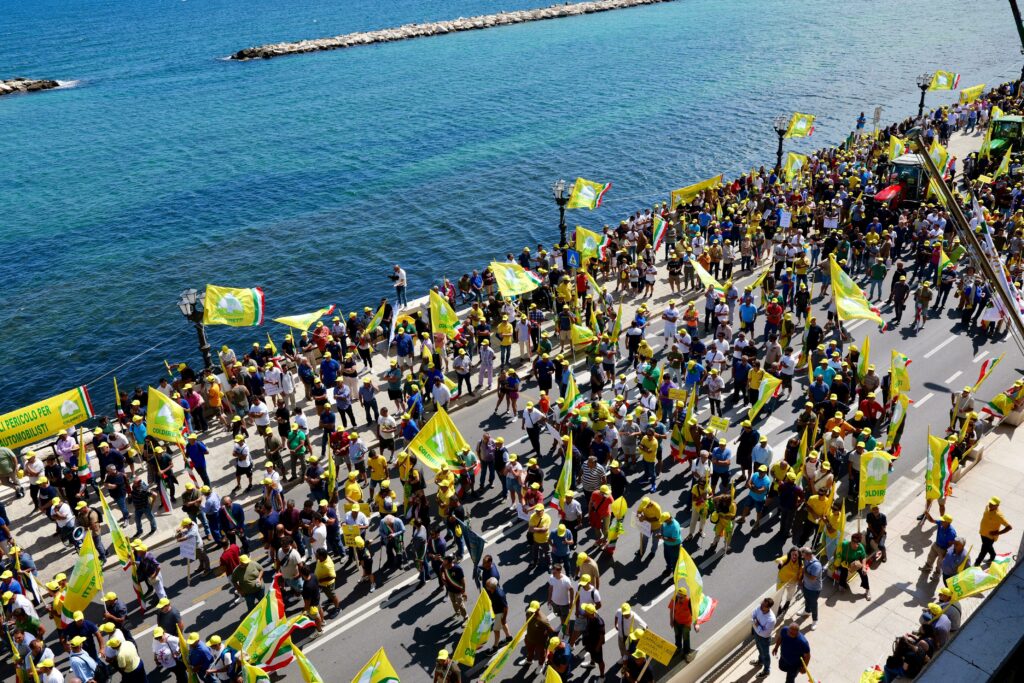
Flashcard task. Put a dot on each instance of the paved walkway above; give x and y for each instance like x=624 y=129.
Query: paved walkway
x=854 y=634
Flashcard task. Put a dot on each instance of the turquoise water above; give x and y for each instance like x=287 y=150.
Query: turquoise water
x=167 y=167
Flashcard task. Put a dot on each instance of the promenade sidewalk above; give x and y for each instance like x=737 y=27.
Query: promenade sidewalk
x=854 y=634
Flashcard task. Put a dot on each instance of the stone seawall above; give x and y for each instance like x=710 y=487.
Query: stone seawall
x=23 y=85
x=409 y=31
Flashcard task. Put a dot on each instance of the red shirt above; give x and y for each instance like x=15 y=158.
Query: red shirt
x=679 y=610
x=229 y=559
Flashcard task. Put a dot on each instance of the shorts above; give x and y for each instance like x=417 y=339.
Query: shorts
x=387 y=444
x=514 y=486
x=499 y=620
x=246 y=471
x=395 y=394
x=563 y=335
x=757 y=505
x=328 y=590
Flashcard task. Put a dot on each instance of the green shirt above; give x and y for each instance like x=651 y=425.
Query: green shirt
x=297 y=441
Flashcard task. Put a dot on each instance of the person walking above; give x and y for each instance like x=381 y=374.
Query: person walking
x=762 y=623
x=993 y=525
x=794 y=651
x=811 y=584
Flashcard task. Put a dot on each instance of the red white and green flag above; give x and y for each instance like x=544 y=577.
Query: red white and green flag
x=938 y=477
x=660 y=227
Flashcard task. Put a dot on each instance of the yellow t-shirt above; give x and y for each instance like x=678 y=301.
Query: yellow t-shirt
x=214 y=395
x=505 y=333
x=754 y=378
x=651 y=513
x=543 y=522
x=649 y=449
x=325 y=572
x=818 y=505
x=378 y=468
x=991 y=521
x=353 y=492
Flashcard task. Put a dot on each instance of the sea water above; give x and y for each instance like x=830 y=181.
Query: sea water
x=167 y=167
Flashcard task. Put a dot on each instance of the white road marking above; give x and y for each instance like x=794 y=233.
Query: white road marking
x=918 y=468
x=770 y=425
x=941 y=346
x=193 y=608
x=657 y=601
x=854 y=324
x=921 y=401
x=954 y=376
x=980 y=356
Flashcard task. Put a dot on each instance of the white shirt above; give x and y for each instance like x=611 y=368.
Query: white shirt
x=763 y=622
x=560 y=590
x=258 y=412
x=400 y=273
x=165 y=652
x=318 y=538
x=64 y=510
x=624 y=626
x=272 y=381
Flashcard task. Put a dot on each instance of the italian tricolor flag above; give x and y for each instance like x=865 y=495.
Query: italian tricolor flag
x=660 y=229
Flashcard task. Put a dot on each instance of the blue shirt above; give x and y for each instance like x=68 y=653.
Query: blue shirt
x=748 y=312
x=329 y=371
x=944 y=537
x=792 y=650
x=819 y=392
x=560 y=544
x=200 y=657
x=812 y=578
x=196 y=452
x=721 y=453
x=671 y=533
x=760 y=479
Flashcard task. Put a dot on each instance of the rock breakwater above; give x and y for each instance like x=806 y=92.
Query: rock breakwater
x=23 y=85
x=410 y=31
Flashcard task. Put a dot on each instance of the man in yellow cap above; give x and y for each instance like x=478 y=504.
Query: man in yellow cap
x=80 y=626
x=223 y=660
x=82 y=664
x=128 y=661
x=167 y=654
x=446 y=670
x=993 y=525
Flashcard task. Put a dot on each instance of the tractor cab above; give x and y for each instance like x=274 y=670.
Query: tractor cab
x=1007 y=131
x=906 y=181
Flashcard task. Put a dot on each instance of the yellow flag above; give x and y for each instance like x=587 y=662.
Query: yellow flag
x=795 y=163
x=968 y=95
x=375 y=321
x=581 y=335
x=769 y=383
x=442 y=316
x=234 y=306
x=849 y=299
x=304 y=321
x=551 y=676
x=900 y=378
x=377 y=670
x=706 y=278
x=45 y=418
x=273 y=346
x=897 y=147
x=687 y=194
x=864 y=360
x=439 y=443
x=306 y=668
x=478 y=631
x=874 y=478
x=165 y=417
x=938 y=476
x=800 y=125
x=1004 y=165
x=939 y=155
x=85 y=581
x=588 y=243
x=512 y=279
x=586 y=194
x=122 y=548
x=945 y=80
x=499 y=660
x=687 y=575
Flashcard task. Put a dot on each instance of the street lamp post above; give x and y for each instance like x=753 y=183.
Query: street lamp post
x=781 y=125
x=191 y=307
x=561 y=198
x=923 y=82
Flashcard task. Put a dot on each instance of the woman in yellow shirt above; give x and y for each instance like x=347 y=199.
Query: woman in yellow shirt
x=788 y=580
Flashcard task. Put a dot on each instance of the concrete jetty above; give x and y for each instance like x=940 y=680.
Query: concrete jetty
x=23 y=85
x=409 y=31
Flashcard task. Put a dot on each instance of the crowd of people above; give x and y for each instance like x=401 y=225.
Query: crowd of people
x=627 y=416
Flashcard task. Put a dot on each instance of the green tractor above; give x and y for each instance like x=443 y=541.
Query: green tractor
x=1006 y=131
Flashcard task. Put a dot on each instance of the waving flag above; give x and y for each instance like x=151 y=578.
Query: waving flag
x=850 y=301
x=660 y=229
x=899 y=413
x=564 y=483
x=251 y=673
x=706 y=278
x=376 y=320
x=945 y=80
x=686 y=574
x=586 y=194
x=85 y=581
x=974 y=580
x=800 y=125
x=897 y=147
x=899 y=381
x=968 y=95
x=573 y=398
x=588 y=243
x=165 y=418
x=986 y=370
x=769 y=385
x=863 y=360
x=938 y=476
x=477 y=632
x=795 y=163
x=233 y=306
x=874 y=478
x=439 y=443
x=304 y=321
x=499 y=660
x=687 y=194
x=512 y=279
x=442 y=316
x=377 y=670
x=306 y=668
x=1004 y=165
x=84 y=473
x=581 y=335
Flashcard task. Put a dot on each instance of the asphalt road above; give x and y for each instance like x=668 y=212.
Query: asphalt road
x=413 y=624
